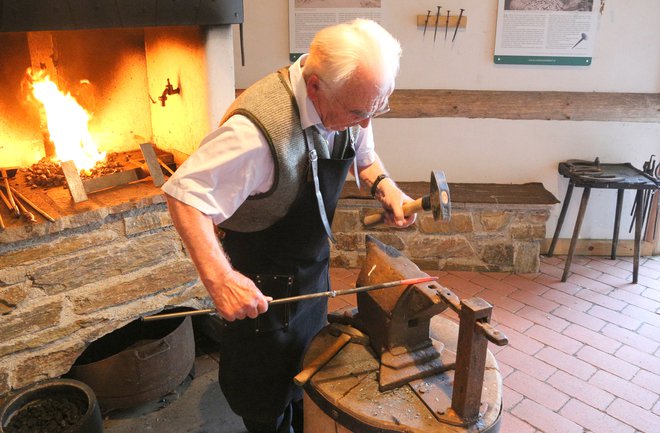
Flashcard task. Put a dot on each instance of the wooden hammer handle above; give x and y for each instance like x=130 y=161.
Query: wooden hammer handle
x=409 y=208
x=301 y=378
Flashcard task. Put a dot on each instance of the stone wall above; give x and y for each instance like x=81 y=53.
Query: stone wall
x=99 y=267
x=478 y=237
x=66 y=284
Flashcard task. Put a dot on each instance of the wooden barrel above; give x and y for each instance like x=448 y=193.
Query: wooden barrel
x=344 y=397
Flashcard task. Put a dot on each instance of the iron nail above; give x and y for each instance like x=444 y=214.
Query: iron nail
x=426 y=23
x=437 y=15
x=446 y=24
x=458 y=22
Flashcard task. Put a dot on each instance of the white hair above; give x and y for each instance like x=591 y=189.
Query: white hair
x=338 y=51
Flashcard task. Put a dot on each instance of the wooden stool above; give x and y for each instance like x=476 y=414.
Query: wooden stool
x=610 y=176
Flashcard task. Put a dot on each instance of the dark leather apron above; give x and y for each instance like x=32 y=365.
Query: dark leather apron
x=259 y=357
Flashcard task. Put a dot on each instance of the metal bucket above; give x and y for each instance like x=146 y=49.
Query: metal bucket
x=138 y=363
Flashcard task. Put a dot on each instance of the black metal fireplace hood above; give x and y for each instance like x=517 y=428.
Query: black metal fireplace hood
x=35 y=15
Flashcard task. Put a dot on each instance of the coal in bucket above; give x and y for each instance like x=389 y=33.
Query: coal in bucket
x=52 y=406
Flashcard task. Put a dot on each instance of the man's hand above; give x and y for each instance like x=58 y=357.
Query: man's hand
x=392 y=199
x=236 y=297
x=388 y=194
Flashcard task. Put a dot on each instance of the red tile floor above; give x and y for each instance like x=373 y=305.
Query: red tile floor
x=583 y=356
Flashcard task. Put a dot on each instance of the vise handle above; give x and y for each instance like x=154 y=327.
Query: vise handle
x=489 y=331
x=492 y=334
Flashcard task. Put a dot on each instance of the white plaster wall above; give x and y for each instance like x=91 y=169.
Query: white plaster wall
x=626 y=59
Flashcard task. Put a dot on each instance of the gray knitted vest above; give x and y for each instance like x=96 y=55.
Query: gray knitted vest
x=271 y=106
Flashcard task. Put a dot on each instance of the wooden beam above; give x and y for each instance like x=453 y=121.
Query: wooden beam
x=529 y=105
x=483 y=104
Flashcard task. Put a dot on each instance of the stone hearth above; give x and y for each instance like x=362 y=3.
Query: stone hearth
x=100 y=265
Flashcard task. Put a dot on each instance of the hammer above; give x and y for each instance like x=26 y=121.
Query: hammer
x=345 y=334
x=437 y=201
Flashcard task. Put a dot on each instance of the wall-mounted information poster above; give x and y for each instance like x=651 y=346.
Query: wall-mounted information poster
x=306 y=17
x=546 y=32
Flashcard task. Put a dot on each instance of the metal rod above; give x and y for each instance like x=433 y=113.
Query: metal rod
x=328 y=294
x=6 y=201
x=12 y=203
x=446 y=24
x=162 y=164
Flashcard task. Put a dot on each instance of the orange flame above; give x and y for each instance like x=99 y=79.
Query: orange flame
x=67 y=124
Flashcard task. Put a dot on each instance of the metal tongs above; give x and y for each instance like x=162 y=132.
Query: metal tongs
x=591 y=170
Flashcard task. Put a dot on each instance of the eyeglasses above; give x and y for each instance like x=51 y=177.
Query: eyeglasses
x=359 y=114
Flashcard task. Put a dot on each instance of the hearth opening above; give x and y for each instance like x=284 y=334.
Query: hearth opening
x=144 y=83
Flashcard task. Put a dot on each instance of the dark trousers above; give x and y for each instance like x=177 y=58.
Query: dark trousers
x=291 y=421
x=256 y=372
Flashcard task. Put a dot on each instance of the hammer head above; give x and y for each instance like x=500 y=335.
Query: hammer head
x=440 y=202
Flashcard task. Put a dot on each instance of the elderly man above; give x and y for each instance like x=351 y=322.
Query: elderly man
x=269 y=177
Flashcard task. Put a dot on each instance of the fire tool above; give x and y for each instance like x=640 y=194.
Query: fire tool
x=10 y=198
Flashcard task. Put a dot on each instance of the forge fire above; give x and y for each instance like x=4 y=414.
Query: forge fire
x=89 y=100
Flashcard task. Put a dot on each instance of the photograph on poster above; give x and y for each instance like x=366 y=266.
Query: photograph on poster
x=337 y=3
x=549 y=5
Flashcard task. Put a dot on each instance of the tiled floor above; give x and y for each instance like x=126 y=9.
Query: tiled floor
x=583 y=356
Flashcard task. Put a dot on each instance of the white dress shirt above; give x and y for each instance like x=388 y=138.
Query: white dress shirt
x=234 y=161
